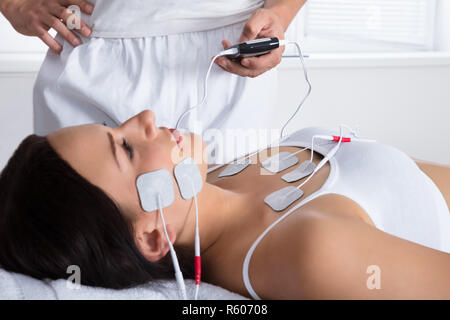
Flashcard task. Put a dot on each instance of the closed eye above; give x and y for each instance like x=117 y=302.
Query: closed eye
x=128 y=149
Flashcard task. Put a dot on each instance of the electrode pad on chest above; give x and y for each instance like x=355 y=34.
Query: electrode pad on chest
x=234 y=168
x=304 y=169
x=279 y=162
x=283 y=198
x=152 y=183
x=189 y=178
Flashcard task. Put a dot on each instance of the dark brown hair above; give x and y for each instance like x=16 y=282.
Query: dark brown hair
x=51 y=218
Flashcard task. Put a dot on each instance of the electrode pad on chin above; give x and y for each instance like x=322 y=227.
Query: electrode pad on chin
x=280 y=162
x=188 y=176
x=234 y=168
x=304 y=169
x=283 y=198
x=152 y=183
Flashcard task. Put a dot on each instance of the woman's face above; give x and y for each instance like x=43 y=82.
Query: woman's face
x=113 y=158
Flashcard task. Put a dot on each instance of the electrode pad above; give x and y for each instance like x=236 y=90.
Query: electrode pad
x=187 y=174
x=304 y=169
x=280 y=162
x=234 y=168
x=283 y=198
x=152 y=183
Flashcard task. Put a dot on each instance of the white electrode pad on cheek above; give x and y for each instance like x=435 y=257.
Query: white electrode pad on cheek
x=283 y=198
x=280 y=162
x=304 y=169
x=152 y=183
x=188 y=176
x=234 y=168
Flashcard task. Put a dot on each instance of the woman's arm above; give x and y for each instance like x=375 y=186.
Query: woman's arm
x=345 y=258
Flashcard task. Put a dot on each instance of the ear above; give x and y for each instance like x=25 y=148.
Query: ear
x=153 y=244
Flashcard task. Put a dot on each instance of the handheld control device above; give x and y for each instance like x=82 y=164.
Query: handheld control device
x=253 y=48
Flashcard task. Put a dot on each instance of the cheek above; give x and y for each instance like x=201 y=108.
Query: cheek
x=158 y=157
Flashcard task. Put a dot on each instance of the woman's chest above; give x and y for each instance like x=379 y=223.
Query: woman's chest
x=227 y=268
x=260 y=182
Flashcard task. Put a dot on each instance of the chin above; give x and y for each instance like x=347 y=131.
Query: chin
x=195 y=147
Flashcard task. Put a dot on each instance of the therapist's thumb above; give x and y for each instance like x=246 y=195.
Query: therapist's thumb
x=253 y=26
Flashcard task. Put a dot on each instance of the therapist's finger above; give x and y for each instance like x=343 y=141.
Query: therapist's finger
x=66 y=15
x=49 y=41
x=234 y=67
x=269 y=60
x=61 y=28
x=85 y=6
x=237 y=68
x=254 y=25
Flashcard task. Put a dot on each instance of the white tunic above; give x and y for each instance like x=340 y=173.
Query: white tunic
x=143 y=18
x=113 y=75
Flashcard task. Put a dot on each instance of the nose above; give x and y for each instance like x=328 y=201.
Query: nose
x=147 y=123
x=143 y=125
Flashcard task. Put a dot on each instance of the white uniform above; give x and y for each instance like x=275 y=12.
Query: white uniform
x=154 y=55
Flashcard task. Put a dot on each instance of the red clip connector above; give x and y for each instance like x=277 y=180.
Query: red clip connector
x=198 y=269
x=336 y=138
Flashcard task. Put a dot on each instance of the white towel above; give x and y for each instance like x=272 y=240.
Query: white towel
x=15 y=286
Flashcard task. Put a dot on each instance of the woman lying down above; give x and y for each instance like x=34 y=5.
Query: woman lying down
x=372 y=223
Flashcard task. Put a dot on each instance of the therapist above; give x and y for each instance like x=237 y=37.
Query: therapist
x=131 y=55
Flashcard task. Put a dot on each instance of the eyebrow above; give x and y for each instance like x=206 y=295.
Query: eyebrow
x=113 y=148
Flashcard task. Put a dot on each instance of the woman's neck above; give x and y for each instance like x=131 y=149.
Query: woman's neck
x=219 y=210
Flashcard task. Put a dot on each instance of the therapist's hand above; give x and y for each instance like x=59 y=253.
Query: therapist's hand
x=36 y=17
x=264 y=23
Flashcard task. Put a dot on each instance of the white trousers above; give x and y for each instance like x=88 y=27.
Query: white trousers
x=111 y=80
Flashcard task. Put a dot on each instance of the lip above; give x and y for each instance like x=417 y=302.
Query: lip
x=177 y=136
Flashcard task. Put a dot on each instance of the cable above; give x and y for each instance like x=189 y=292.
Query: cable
x=198 y=269
x=281 y=139
x=327 y=157
x=305 y=72
x=205 y=87
x=176 y=266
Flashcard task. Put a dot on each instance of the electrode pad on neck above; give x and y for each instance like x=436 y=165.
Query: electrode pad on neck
x=283 y=198
x=280 y=162
x=304 y=169
x=234 y=168
x=189 y=178
x=152 y=183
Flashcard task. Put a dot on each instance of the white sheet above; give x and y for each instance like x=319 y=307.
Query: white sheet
x=15 y=286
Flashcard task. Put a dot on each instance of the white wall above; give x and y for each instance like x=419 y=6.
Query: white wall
x=406 y=107
x=16 y=116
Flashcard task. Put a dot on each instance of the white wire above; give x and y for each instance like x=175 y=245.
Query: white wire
x=280 y=139
x=196 y=292
x=205 y=92
x=294 y=153
x=305 y=72
x=312 y=147
x=317 y=168
x=197 y=233
x=176 y=266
